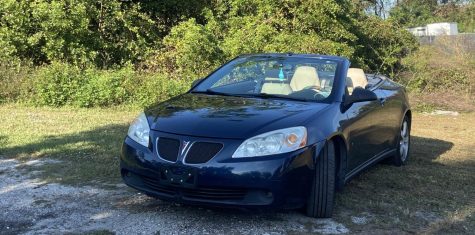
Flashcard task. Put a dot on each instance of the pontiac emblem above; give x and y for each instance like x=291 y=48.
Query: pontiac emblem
x=185 y=145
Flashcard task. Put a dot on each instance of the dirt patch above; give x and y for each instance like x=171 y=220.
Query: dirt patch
x=428 y=102
x=31 y=206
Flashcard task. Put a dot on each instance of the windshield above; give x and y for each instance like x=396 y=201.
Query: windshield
x=297 y=78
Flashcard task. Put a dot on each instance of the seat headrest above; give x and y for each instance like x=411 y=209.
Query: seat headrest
x=304 y=76
x=358 y=77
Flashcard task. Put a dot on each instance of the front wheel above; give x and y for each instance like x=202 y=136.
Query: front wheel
x=322 y=194
x=403 y=143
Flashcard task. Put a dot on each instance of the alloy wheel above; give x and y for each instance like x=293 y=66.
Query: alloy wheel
x=404 y=141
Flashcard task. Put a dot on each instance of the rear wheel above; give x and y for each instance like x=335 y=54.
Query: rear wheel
x=322 y=194
x=403 y=143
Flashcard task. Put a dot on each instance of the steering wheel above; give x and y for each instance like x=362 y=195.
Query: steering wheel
x=313 y=87
x=309 y=92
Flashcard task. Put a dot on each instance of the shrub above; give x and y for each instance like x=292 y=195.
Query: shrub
x=104 y=88
x=381 y=45
x=446 y=66
x=191 y=50
x=63 y=84
x=237 y=27
x=152 y=88
x=57 y=84
x=15 y=82
x=103 y=33
x=115 y=52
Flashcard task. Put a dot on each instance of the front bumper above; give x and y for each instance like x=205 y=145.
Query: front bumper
x=280 y=181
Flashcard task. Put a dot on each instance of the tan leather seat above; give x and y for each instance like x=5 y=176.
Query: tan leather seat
x=356 y=78
x=275 y=86
x=304 y=76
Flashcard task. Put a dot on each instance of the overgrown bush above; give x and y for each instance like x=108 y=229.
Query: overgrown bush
x=101 y=33
x=101 y=53
x=236 y=27
x=152 y=88
x=191 y=50
x=445 y=66
x=414 y=13
x=15 y=82
x=105 y=88
x=58 y=84
x=63 y=84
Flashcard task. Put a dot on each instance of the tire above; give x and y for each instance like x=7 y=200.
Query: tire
x=403 y=143
x=322 y=195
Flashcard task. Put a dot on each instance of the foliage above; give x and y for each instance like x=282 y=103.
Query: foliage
x=56 y=85
x=156 y=88
x=447 y=66
x=190 y=48
x=64 y=84
x=102 y=33
x=382 y=45
x=99 y=53
x=169 y=13
x=236 y=27
x=463 y=14
x=412 y=13
x=15 y=82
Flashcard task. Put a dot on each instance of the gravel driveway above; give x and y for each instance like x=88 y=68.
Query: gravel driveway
x=30 y=206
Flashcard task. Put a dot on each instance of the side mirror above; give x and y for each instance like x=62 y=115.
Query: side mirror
x=195 y=82
x=360 y=95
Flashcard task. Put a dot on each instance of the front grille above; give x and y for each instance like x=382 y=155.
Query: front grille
x=168 y=148
x=201 y=152
x=215 y=194
x=155 y=185
x=196 y=193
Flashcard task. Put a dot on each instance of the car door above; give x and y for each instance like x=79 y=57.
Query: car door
x=365 y=131
x=393 y=113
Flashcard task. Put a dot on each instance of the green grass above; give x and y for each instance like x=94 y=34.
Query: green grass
x=434 y=193
x=86 y=141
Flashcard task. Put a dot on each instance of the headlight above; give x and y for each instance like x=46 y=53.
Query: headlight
x=274 y=142
x=139 y=130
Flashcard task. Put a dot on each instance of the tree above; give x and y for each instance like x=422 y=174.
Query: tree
x=333 y=27
x=412 y=13
x=103 y=33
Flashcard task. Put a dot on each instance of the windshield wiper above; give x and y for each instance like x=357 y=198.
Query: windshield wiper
x=257 y=95
x=267 y=95
x=213 y=92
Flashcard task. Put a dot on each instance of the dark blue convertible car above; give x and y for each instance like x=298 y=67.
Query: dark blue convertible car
x=267 y=131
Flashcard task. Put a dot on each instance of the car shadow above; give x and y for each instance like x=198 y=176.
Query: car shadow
x=424 y=195
x=428 y=148
x=95 y=140
x=85 y=157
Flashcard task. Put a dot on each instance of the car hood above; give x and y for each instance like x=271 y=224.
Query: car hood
x=217 y=116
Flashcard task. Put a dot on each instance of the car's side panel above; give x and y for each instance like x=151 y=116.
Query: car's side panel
x=364 y=131
x=395 y=107
x=370 y=128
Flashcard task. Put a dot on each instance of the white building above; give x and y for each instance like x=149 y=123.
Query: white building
x=418 y=31
x=435 y=29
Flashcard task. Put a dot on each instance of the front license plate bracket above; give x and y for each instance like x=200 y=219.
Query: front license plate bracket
x=178 y=176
